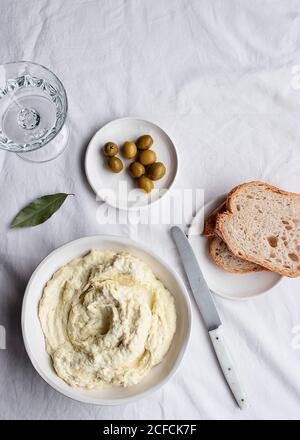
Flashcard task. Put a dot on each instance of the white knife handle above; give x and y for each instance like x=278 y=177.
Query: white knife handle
x=227 y=367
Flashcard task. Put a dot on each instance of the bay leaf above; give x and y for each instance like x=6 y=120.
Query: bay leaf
x=39 y=210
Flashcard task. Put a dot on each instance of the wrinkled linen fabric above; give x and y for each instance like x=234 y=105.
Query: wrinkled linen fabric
x=221 y=78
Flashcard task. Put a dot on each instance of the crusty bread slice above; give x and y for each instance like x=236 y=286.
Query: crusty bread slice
x=218 y=250
x=225 y=259
x=262 y=225
x=210 y=222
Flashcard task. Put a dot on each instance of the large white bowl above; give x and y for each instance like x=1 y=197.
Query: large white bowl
x=34 y=339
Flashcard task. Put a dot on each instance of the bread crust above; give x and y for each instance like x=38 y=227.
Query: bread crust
x=219 y=262
x=211 y=232
x=210 y=222
x=230 y=213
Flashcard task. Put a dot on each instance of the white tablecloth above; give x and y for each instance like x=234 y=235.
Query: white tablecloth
x=221 y=78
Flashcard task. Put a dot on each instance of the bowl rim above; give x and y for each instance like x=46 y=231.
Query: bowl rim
x=94 y=400
x=167 y=190
x=66 y=103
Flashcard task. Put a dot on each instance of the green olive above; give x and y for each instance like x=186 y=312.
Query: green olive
x=129 y=150
x=145 y=183
x=156 y=171
x=147 y=157
x=110 y=149
x=144 y=142
x=115 y=164
x=136 y=169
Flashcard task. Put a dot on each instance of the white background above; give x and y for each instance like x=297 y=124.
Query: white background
x=217 y=75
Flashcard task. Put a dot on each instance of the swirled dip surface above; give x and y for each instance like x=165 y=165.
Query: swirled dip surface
x=107 y=320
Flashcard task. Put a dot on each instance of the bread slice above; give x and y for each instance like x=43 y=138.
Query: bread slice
x=262 y=225
x=218 y=250
x=225 y=259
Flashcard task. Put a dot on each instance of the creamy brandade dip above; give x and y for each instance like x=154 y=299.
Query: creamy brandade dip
x=107 y=320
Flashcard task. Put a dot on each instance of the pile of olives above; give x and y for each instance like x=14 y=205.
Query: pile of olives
x=144 y=168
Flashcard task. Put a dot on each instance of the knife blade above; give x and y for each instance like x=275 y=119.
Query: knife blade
x=197 y=282
x=209 y=312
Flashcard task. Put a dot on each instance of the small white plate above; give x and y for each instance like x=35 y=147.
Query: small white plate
x=34 y=339
x=114 y=188
x=225 y=284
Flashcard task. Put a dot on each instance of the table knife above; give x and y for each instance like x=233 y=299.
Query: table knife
x=209 y=313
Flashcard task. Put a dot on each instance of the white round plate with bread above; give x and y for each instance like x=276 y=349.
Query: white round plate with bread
x=228 y=285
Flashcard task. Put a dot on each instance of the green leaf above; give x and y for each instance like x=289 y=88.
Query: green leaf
x=39 y=210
